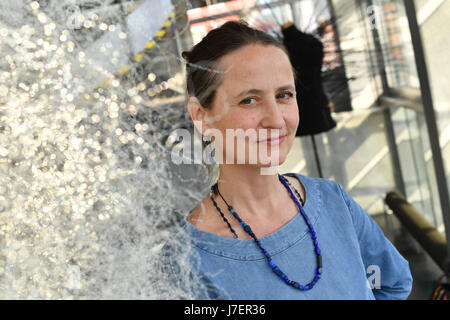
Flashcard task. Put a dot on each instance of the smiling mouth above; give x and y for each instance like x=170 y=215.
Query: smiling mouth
x=273 y=141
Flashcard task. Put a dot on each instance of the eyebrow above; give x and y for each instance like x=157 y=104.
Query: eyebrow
x=258 y=91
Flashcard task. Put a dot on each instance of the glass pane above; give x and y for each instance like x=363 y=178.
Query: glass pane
x=433 y=18
x=390 y=20
x=416 y=163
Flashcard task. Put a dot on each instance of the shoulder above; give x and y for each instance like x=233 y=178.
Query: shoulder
x=315 y=183
x=324 y=194
x=333 y=193
x=340 y=205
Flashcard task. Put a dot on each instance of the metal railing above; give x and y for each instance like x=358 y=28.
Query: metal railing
x=433 y=241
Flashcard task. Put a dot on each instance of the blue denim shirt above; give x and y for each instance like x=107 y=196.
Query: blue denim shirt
x=359 y=262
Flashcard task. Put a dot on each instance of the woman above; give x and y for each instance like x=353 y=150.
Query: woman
x=260 y=235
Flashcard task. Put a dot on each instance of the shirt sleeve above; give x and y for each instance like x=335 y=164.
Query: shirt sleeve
x=388 y=272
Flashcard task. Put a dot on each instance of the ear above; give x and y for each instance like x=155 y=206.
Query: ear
x=198 y=114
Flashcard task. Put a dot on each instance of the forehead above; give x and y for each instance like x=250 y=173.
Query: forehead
x=256 y=66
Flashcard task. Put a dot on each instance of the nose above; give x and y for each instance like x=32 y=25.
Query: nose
x=272 y=115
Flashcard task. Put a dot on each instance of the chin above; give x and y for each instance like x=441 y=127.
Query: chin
x=273 y=162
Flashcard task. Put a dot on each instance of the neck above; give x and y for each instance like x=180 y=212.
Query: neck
x=249 y=192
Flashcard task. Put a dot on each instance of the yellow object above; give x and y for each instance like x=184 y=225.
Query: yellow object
x=105 y=84
x=150 y=45
x=138 y=57
x=160 y=33
x=123 y=70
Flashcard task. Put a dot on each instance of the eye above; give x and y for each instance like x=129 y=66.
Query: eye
x=246 y=100
x=287 y=95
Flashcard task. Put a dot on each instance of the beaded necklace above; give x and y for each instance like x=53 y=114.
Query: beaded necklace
x=246 y=227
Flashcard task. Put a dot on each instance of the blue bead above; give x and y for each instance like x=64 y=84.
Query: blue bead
x=295 y=284
x=272 y=264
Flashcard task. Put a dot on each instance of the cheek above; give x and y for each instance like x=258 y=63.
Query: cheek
x=292 y=116
x=239 y=120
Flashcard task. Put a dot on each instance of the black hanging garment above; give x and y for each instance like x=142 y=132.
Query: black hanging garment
x=306 y=55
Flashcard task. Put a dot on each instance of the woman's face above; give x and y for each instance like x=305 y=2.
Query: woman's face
x=255 y=108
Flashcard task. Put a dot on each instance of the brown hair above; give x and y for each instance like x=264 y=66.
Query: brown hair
x=202 y=73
